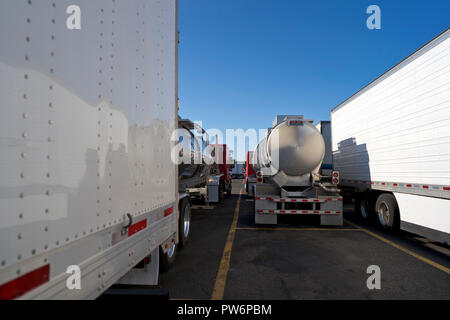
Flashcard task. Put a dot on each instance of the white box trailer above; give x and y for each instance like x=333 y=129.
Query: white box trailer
x=88 y=95
x=391 y=143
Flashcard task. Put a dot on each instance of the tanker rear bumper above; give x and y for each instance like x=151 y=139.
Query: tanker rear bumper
x=269 y=205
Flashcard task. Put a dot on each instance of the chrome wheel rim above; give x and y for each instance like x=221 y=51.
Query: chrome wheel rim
x=171 y=251
x=383 y=213
x=187 y=221
x=363 y=209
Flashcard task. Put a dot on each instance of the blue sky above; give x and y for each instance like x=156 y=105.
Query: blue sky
x=244 y=61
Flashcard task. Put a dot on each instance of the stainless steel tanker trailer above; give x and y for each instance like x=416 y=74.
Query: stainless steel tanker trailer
x=197 y=178
x=287 y=164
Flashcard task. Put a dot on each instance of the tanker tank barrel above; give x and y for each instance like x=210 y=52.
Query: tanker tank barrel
x=294 y=150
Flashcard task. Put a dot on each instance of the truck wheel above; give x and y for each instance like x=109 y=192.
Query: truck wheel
x=166 y=260
x=387 y=211
x=184 y=222
x=362 y=206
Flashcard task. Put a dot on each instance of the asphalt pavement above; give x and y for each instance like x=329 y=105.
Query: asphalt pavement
x=229 y=257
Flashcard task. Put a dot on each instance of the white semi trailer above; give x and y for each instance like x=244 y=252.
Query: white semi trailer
x=287 y=164
x=391 y=144
x=88 y=93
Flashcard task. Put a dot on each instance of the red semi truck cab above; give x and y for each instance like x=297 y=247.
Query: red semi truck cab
x=222 y=166
x=250 y=174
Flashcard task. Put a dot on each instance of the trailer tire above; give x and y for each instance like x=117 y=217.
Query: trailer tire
x=387 y=211
x=184 y=222
x=166 y=260
x=363 y=207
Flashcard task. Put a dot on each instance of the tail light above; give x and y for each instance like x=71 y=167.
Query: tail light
x=335 y=177
x=259 y=178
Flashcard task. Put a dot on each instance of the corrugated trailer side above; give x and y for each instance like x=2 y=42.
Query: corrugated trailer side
x=393 y=136
x=88 y=106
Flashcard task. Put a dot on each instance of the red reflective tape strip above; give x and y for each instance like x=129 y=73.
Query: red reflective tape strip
x=293 y=211
x=305 y=200
x=315 y=211
x=383 y=184
x=29 y=281
x=316 y=200
x=271 y=211
x=168 y=212
x=282 y=211
x=257 y=198
x=138 y=226
x=446 y=188
x=294 y=200
x=340 y=199
x=395 y=184
x=372 y=182
x=409 y=186
x=327 y=211
x=304 y=211
x=425 y=187
x=282 y=200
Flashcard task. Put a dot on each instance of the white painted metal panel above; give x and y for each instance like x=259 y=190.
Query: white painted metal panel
x=398 y=128
x=429 y=212
x=86 y=119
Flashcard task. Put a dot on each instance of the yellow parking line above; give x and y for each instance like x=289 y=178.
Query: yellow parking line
x=297 y=229
x=222 y=273
x=395 y=245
